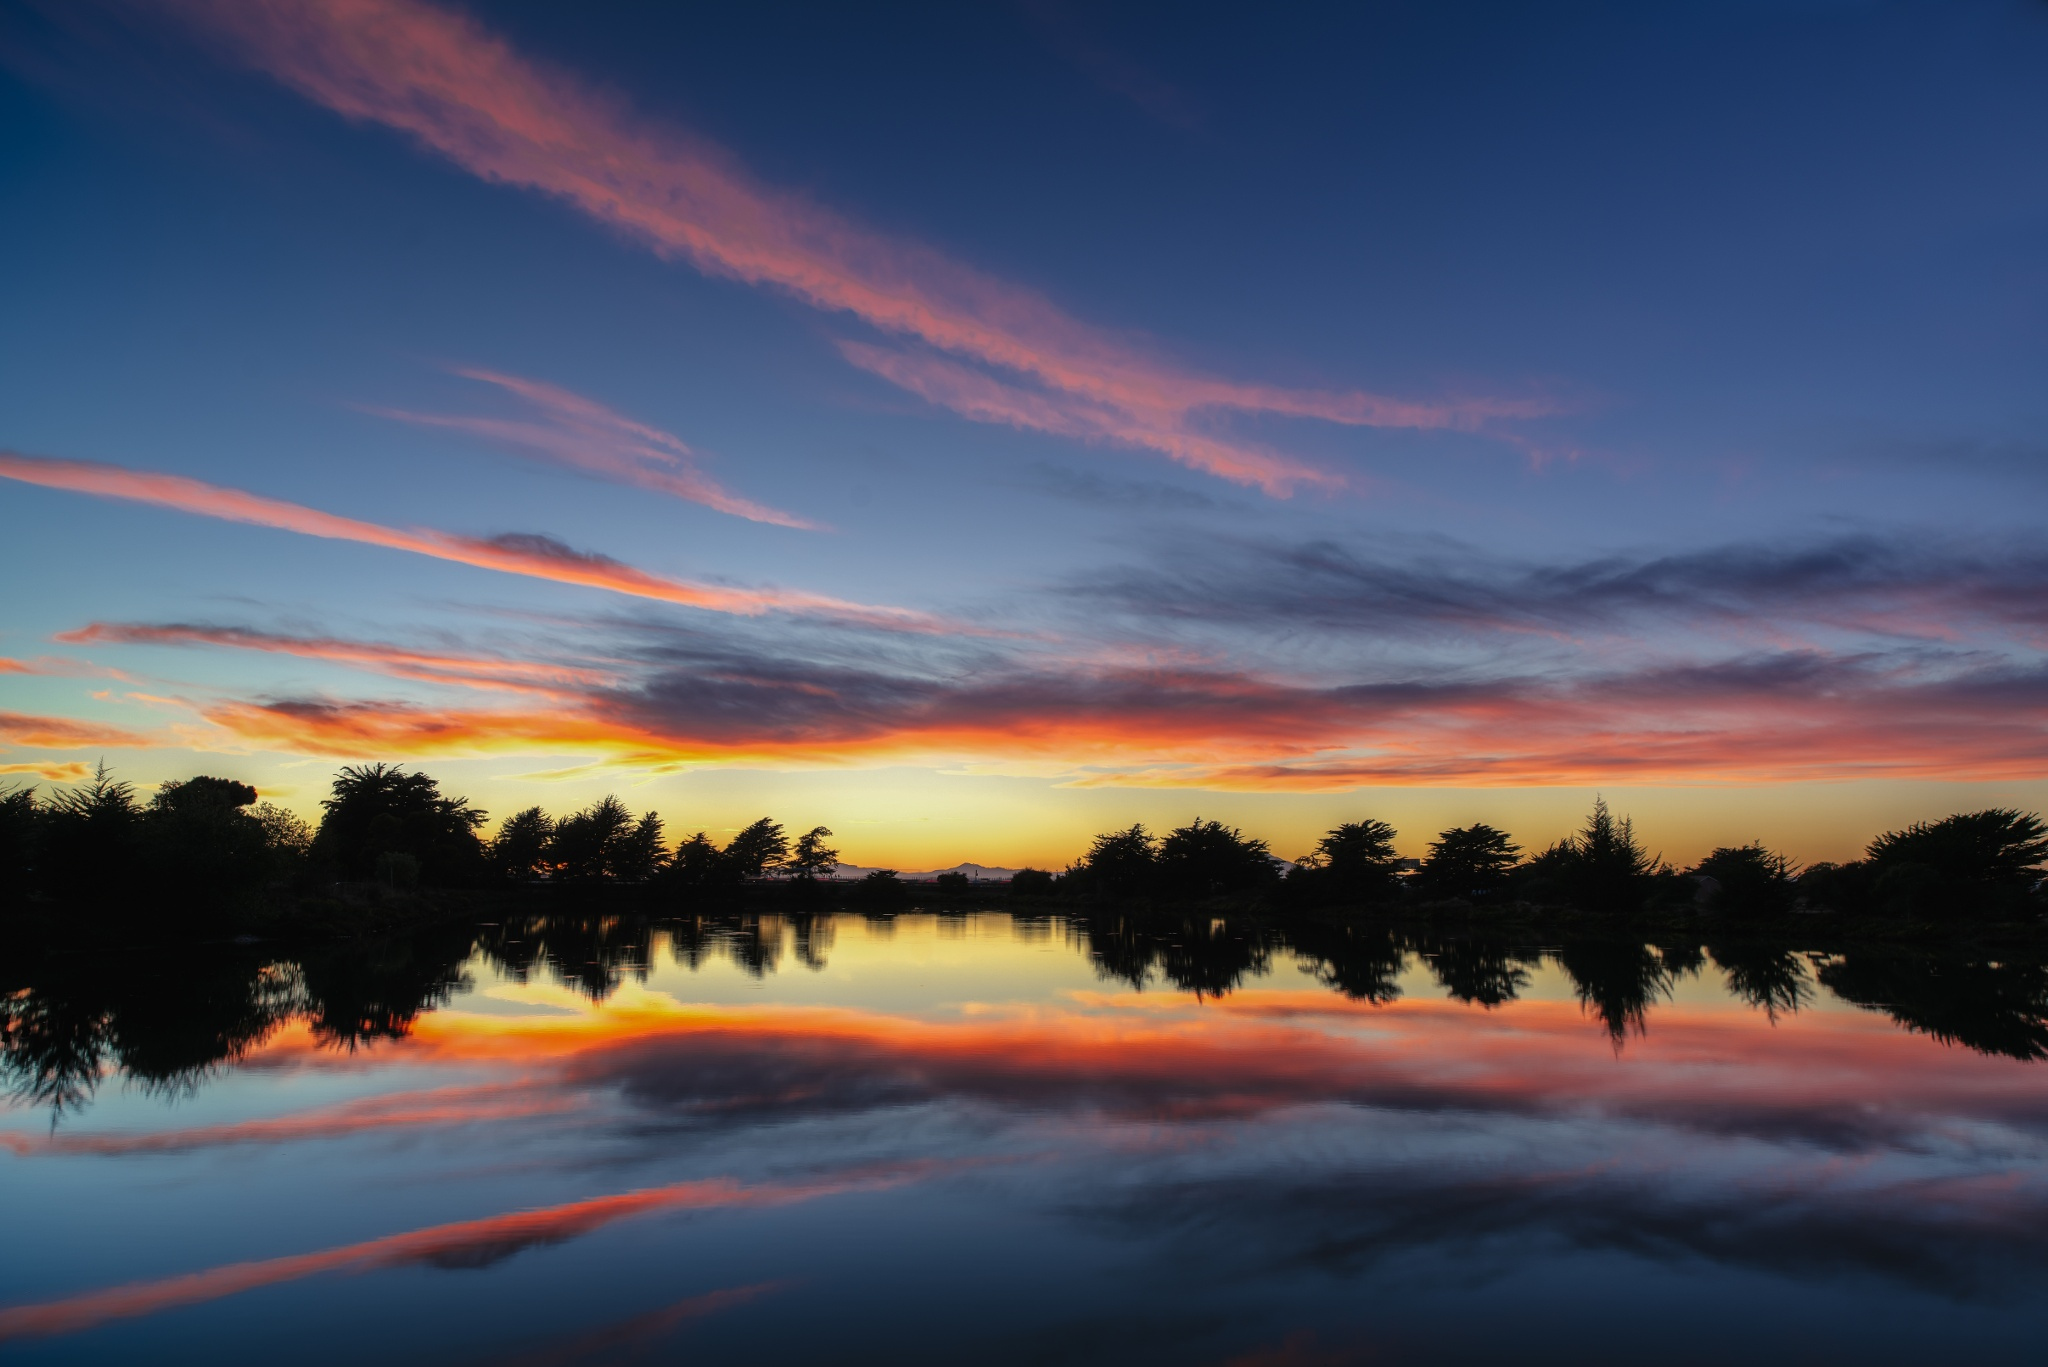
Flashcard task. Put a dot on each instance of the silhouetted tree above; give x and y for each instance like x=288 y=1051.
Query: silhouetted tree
x=1602 y=868
x=203 y=845
x=1119 y=864
x=1032 y=883
x=642 y=854
x=20 y=843
x=378 y=810
x=1207 y=858
x=93 y=846
x=756 y=849
x=811 y=859
x=1468 y=861
x=1969 y=864
x=519 y=853
x=1748 y=880
x=1354 y=864
x=1836 y=887
x=699 y=863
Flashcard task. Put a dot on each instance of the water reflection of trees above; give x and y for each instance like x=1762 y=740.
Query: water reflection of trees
x=1208 y=956
x=168 y=1018
x=1361 y=960
x=1994 y=1006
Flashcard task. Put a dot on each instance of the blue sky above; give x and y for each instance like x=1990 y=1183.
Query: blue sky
x=1642 y=399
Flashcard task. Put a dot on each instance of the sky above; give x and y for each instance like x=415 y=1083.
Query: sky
x=974 y=427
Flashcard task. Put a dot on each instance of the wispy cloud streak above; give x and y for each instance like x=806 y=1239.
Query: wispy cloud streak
x=447 y=667
x=587 y=436
x=468 y=1243
x=521 y=553
x=464 y=93
x=1898 y=586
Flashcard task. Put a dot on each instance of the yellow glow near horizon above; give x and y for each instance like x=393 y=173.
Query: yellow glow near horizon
x=911 y=819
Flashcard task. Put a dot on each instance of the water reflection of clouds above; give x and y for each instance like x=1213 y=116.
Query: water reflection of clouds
x=1280 y=1131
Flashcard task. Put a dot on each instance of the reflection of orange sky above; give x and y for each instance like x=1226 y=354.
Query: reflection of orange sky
x=1154 y=1060
x=1157 y=1058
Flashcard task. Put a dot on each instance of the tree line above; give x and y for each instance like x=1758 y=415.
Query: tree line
x=1985 y=864
x=208 y=840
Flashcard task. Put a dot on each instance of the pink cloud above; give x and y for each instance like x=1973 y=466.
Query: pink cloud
x=535 y=557
x=465 y=94
x=587 y=436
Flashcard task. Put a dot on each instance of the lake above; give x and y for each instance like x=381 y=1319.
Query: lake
x=1008 y=1140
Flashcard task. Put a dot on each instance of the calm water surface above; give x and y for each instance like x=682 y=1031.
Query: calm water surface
x=976 y=1139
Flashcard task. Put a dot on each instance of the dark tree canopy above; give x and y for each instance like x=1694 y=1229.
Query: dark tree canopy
x=813 y=859
x=1353 y=864
x=758 y=848
x=1119 y=863
x=1469 y=861
x=521 y=851
x=1748 y=880
x=1603 y=868
x=379 y=811
x=1208 y=858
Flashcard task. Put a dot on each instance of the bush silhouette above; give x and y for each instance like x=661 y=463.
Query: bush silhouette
x=1032 y=883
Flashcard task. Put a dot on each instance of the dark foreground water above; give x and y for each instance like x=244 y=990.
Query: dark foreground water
x=969 y=1139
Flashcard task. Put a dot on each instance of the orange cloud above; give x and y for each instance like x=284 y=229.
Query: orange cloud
x=587 y=436
x=470 y=671
x=60 y=733
x=536 y=557
x=56 y=771
x=468 y=96
x=467 y=1243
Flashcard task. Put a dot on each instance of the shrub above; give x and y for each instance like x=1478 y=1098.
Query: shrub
x=1031 y=883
